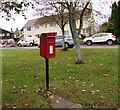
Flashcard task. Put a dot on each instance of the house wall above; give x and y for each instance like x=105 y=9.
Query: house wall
x=5 y=34
x=55 y=28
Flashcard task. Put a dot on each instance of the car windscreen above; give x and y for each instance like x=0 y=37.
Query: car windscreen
x=68 y=37
x=58 y=37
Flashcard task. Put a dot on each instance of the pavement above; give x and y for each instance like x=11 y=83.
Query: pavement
x=58 y=102
x=81 y=46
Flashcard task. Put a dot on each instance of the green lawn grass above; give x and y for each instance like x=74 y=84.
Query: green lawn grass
x=93 y=84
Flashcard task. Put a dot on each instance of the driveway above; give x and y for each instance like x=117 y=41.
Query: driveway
x=82 y=46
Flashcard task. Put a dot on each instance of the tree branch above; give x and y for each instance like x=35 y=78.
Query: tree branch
x=81 y=17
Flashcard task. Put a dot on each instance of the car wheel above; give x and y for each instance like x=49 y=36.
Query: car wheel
x=109 y=42
x=66 y=45
x=31 y=44
x=19 y=45
x=89 y=43
x=71 y=46
x=38 y=46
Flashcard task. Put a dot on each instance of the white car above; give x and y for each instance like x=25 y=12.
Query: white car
x=27 y=41
x=108 y=38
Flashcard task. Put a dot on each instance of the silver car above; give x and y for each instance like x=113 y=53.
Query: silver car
x=68 y=41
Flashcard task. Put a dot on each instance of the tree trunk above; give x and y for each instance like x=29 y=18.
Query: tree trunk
x=64 y=48
x=78 y=56
x=75 y=35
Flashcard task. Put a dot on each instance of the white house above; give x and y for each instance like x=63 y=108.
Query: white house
x=45 y=24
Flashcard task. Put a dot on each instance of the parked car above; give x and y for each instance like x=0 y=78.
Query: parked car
x=11 y=45
x=68 y=41
x=108 y=38
x=27 y=41
x=59 y=41
x=2 y=45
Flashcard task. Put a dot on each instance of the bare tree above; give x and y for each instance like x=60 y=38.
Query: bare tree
x=73 y=7
x=75 y=10
x=61 y=19
x=57 y=13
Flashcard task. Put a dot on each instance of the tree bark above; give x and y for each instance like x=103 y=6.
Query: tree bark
x=78 y=56
x=72 y=21
x=64 y=48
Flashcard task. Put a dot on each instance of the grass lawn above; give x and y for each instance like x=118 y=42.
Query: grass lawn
x=93 y=84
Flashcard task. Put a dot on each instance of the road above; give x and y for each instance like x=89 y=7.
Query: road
x=82 y=46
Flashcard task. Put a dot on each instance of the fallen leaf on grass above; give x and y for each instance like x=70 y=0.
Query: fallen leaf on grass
x=49 y=93
x=97 y=90
x=54 y=88
x=92 y=91
x=100 y=102
x=71 y=71
x=83 y=85
x=91 y=85
x=25 y=86
x=105 y=75
x=13 y=87
x=114 y=91
x=52 y=96
x=60 y=98
x=22 y=91
x=66 y=84
x=14 y=107
x=102 y=97
x=53 y=68
x=83 y=90
x=13 y=92
x=57 y=101
x=26 y=104
x=94 y=67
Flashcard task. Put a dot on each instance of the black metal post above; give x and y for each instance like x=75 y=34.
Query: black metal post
x=47 y=74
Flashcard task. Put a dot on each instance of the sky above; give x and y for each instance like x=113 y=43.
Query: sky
x=19 y=21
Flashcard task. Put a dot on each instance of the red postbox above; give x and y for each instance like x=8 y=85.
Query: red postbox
x=47 y=45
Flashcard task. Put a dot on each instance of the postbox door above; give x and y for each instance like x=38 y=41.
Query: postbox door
x=47 y=45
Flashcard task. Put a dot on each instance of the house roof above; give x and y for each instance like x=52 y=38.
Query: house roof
x=1 y=30
x=44 y=20
x=30 y=23
x=50 y=19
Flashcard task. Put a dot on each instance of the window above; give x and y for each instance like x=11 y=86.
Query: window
x=104 y=34
x=37 y=27
x=28 y=28
x=8 y=34
x=52 y=25
x=66 y=32
x=0 y=35
x=85 y=30
x=37 y=35
x=29 y=36
x=98 y=35
x=58 y=37
x=86 y=18
x=3 y=34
